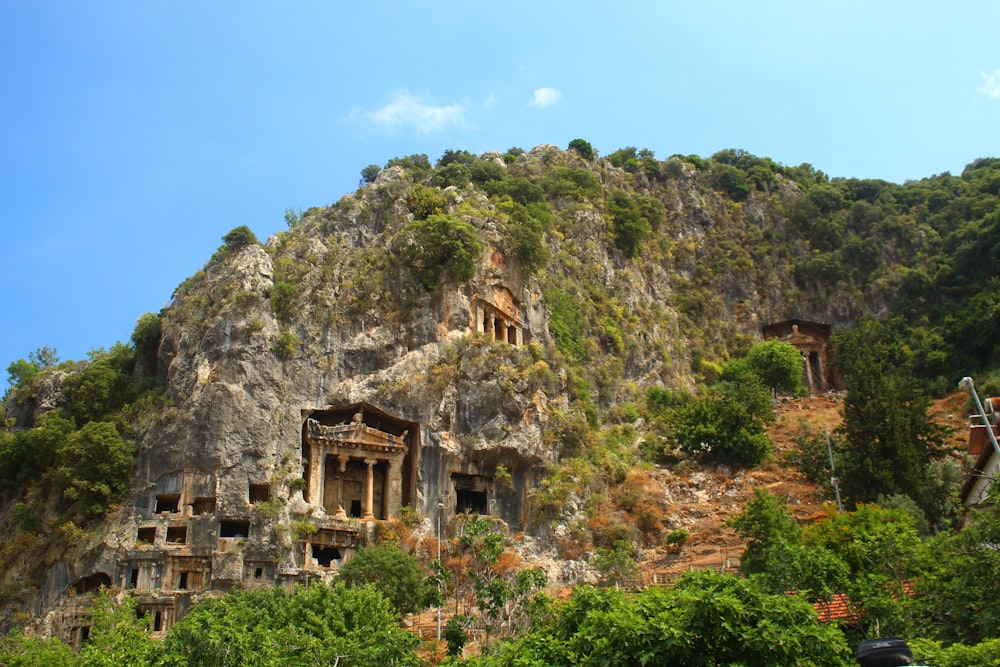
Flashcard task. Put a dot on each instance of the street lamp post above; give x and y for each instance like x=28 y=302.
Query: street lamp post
x=966 y=383
x=440 y=507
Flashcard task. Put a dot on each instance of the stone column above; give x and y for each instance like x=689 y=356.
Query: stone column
x=369 y=491
x=342 y=468
x=492 y=333
x=317 y=453
x=809 y=374
x=393 y=487
x=822 y=371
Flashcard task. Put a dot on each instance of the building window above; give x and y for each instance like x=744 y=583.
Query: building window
x=167 y=502
x=235 y=528
x=203 y=505
x=259 y=493
x=177 y=534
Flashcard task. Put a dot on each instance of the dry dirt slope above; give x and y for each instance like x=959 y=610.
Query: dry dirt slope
x=704 y=500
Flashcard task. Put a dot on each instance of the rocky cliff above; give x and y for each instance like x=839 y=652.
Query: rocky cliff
x=320 y=383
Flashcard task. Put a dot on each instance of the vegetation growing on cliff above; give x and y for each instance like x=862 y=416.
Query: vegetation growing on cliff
x=656 y=276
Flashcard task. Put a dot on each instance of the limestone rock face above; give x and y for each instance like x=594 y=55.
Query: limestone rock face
x=316 y=386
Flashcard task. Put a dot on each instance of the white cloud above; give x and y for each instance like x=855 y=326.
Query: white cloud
x=490 y=101
x=406 y=109
x=991 y=84
x=545 y=96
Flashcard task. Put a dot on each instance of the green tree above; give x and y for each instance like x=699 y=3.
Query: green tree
x=705 y=619
x=95 y=467
x=728 y=424
x=958 y=593
x=582 y=148
x=370 y=173
x=20 y=650
x=764 y=522
x=239 y=237
x=617 y=566
x=417 y=165
x=146 y=340
x=890 y=437
x=282 y=298
x=455 y=635
x=442 y=247
x=524 y=234
x=880 y=547
x=778 y=364
x=630 y=227
x=424 y=202
x=318 y=625
x=103 y=386
x=393 y=572
x=28 y=457
x=21 y=372
x=119 y=636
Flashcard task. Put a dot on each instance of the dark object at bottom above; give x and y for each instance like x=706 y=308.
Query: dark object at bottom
x=884 y=652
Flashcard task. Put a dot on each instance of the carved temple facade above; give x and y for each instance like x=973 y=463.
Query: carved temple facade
x=812 y=340
x=359 y=461
x=498 y=316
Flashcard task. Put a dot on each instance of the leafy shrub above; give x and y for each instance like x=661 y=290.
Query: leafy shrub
x=727 y=425
x=21 y=372
x=483 y=171
x=454 y=634
x=282 y=297
x=424 y=202
x=676 y=537
x=764 y=521
x=450 y=157
x=441 y=247
x=102 y=387
x=285 y=344
x=778 y=365
x=96 y=466
x=417 y=165
x=582 y=148
x=578 y=184
x=370 y=173
x=518 y=188
x=455 y=174
x=567 y=324
x=272 y=626
x=524 y=236
x=630 y=227
x=731 y=180
x=146 y=338
x=239 y=237
x=394 y=573
x=625 y=158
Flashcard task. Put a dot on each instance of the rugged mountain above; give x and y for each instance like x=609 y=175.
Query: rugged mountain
x=437 y=341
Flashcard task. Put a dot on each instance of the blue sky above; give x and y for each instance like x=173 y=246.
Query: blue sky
x=136 y=134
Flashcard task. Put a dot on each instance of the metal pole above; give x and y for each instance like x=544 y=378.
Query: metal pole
x=833 y=474
x=966 y=383
x=440 y=506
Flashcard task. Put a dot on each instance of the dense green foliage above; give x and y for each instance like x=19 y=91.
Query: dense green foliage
x=394 y=573
x=81 y=453
x=442 y=248
x=311 y=626
x=728 y=424
x=705 y=619
x=764 y=523
x=719 y=242
x=890 y=440
x=239 y=237
x=776 y=363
